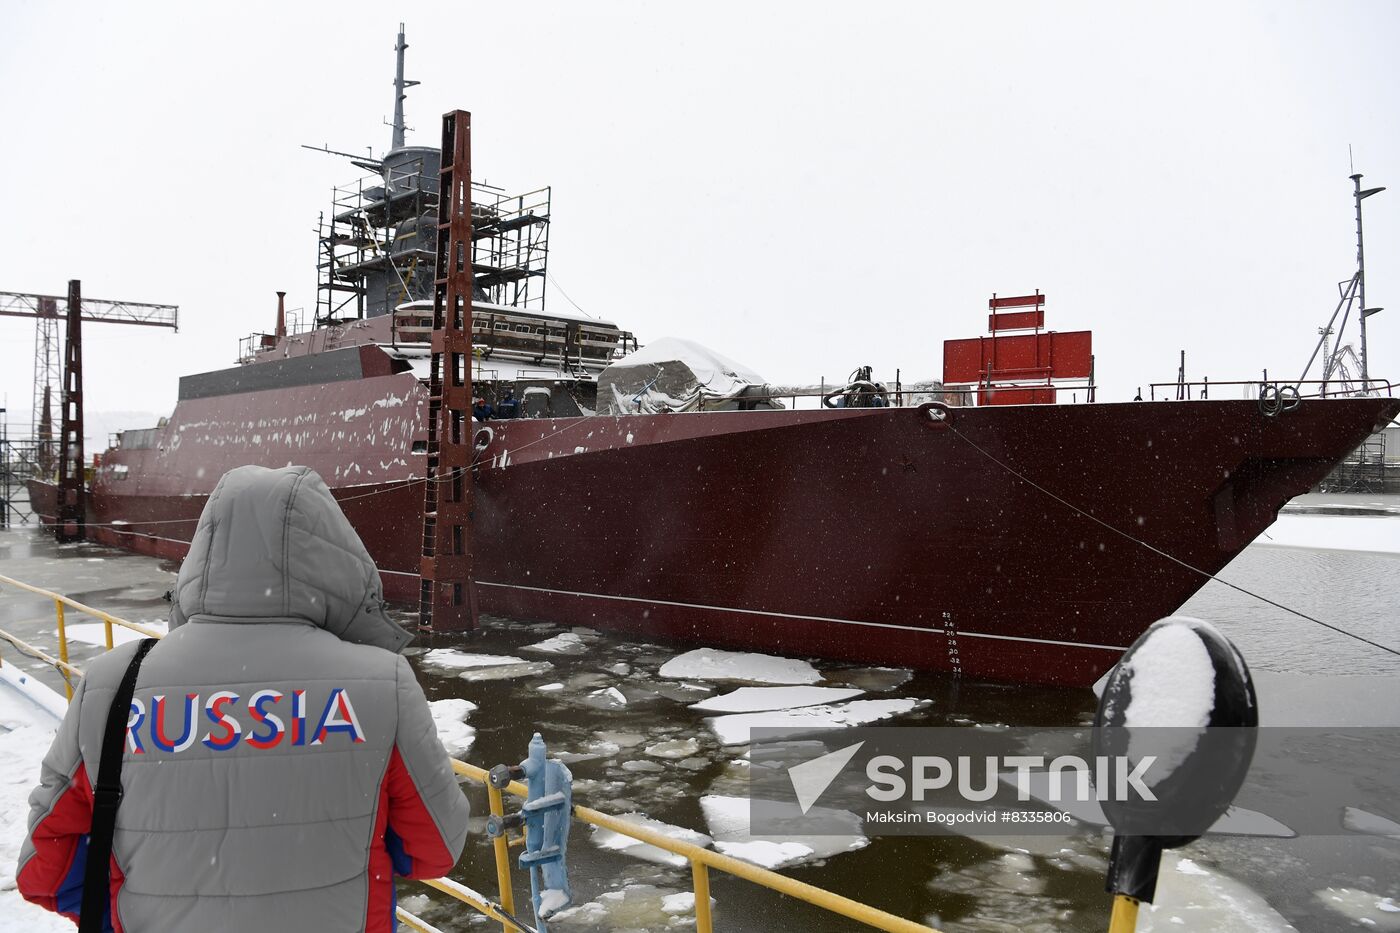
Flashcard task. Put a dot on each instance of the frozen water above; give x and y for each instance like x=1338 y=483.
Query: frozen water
x=714 y=664
x=1336 y=532
x=728 y=821
x=607 y=839
x=449 y=715
x=1192 y=897
x=674 y=748
x=565 y=643
x=1362 y=821
x=452 y=658
x=758 y=699
x=734 y=729
x=637 y=907
x=1369 y=910
x=482 y=666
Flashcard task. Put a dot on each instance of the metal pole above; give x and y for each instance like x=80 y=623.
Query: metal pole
x=1366 y=312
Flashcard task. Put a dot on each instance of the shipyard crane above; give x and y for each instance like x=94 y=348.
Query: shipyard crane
x=47 y=310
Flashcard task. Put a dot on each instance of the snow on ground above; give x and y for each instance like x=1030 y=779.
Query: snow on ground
x=734 y=729
x=1335 y=532
x=22 y=748
x=24 y=701
x=566 y=643
x=759 y=699
x=450 y=717
x=616 y=842
x=728 y=821
x=93 y=633
x=714 y=664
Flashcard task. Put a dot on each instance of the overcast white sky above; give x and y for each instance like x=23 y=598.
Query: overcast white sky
x=803 y=187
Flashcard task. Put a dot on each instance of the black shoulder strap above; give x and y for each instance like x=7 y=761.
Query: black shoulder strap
x=106 y=795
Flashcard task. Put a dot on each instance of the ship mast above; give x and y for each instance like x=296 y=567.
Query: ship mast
x=401 y=86
x=1366 y=312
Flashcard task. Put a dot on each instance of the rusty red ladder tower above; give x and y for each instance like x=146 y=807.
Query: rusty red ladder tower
x=447 y=599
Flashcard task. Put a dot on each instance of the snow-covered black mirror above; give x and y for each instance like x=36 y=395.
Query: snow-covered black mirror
x=1180 y=708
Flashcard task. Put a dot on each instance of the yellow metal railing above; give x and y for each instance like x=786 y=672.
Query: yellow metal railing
x=701 y=860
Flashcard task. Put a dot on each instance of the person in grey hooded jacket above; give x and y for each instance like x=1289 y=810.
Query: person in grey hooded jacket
x=281 y=762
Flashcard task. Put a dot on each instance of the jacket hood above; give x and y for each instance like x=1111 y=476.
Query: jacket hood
x=274 y=544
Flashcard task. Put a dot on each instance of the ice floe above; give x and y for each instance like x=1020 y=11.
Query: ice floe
x=482 y=666
x=1369 y=910
x=565 y=643
x=616 y=842
x=636 y=907
x=1192 y=897
x=714 y=664
x=734 y=729
x=1335 y=532
x=727 y=818
x=449 y=716
x=1363 y=821
x=674 y=748
x=760 y=699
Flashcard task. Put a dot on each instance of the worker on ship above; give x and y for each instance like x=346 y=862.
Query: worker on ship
x=482 y=410
x=508 y=407
x=278 y=764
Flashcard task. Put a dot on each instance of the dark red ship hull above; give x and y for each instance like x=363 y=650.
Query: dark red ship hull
x=874 y=536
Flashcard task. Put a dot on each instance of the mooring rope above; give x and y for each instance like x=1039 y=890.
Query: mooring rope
x=1158 y=551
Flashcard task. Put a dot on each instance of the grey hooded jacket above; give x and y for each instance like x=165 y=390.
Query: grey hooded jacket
x=281 y=761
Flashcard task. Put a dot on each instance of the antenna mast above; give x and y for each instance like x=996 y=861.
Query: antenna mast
x=1366 y=312
x=400 y=87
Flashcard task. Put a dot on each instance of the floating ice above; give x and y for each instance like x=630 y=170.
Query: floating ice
x=1362 y=821
x=483 y=666
x=448 y=715
x=607 y=839
x=714 y=664
x=550 y=688
x=1192 y=897
x=734 y=729
x=636 y=907
x=675 y=748
x=1335 y=532
x=607 y=698
x=758 y=699
x=451 y=657
x=566 y=643
x=1370 y=910
x=728 y=821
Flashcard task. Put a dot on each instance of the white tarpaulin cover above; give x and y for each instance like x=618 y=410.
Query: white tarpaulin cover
x=674 y=374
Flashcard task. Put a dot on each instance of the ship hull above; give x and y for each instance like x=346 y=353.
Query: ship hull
x=1020 y=543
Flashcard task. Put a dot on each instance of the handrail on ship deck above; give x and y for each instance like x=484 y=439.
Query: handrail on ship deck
x=1205 y=385
x=701 y=860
